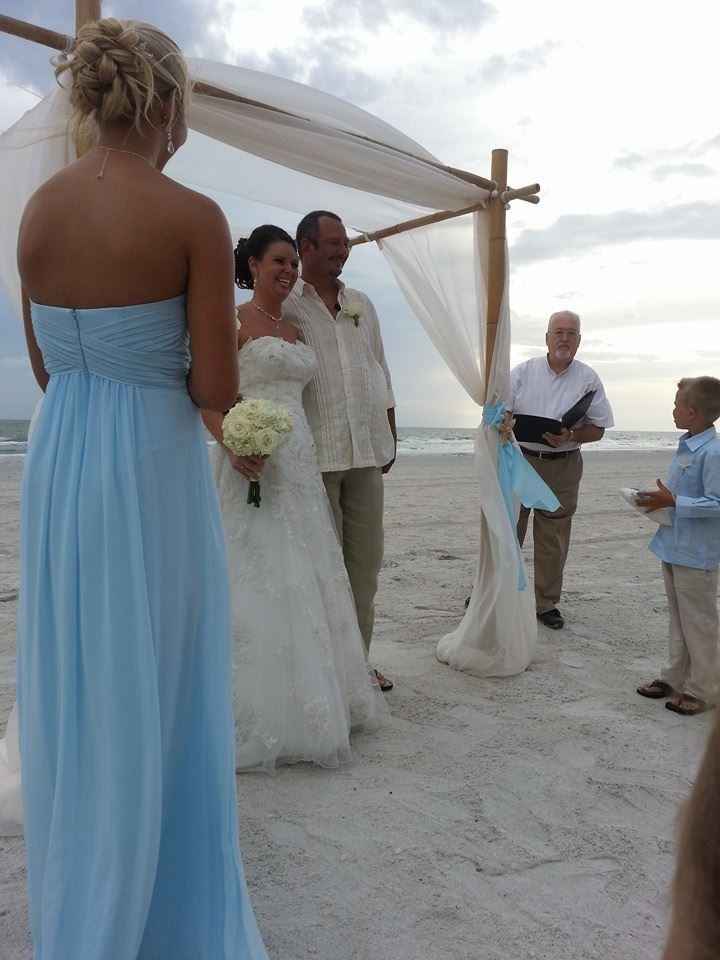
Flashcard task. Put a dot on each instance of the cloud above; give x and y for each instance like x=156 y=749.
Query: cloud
x=500 y=68
x=630 y=161
x=447 y=15
x=343 y=81
x=328 y=68
x=665 y=170
x=708 y=145
x=575 y=234
x=674 y=159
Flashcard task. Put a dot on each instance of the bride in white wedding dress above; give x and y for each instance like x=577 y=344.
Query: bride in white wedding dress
x=301 y=681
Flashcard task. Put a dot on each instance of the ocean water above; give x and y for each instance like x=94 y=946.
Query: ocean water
x=416 y=441
x=13 y=437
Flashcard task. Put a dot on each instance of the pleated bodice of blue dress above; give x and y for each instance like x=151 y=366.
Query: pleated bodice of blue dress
x=124 y=687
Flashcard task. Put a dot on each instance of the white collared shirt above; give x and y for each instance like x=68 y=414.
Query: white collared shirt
x=539 y=391
x=347 y=401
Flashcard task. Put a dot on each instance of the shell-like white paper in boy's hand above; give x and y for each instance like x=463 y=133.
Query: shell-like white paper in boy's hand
x=663 y=517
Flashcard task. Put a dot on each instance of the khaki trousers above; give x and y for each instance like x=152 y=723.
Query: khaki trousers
x=694 y=666
x=551 y=531
x=357 y=498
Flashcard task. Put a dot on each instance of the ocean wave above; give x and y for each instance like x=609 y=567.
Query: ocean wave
x=426 y=441
x=12 y=448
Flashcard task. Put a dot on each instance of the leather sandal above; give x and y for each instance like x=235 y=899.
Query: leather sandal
x=687 y=705
x=383 y=682
x=655 y=690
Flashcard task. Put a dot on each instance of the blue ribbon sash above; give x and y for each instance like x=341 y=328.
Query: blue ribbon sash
x=518 y=480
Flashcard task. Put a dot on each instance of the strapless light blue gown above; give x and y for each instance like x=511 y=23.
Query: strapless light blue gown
x=124 y=683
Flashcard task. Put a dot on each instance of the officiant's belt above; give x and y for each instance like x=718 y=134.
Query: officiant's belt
x=550 y=455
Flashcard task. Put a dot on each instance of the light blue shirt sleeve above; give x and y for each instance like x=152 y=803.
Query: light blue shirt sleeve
x=693 y=540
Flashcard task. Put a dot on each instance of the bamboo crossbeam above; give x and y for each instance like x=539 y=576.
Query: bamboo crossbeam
x=496 y=261
x=28 y=31
x=414 y=224
x=209 y=90
x=521 y=193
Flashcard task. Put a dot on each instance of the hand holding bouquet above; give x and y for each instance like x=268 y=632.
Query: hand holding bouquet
x=505 y=427
x=255 y=428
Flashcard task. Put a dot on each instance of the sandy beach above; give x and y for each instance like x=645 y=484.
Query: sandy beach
x=530 y=817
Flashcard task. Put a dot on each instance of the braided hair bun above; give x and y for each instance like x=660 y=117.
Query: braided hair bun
x=120 y=69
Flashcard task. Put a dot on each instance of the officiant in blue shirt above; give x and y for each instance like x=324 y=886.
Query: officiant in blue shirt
x=548 y=386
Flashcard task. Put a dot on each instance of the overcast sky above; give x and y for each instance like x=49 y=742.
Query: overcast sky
x=607 y=105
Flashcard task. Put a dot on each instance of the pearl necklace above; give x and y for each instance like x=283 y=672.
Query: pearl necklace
x=275 y=320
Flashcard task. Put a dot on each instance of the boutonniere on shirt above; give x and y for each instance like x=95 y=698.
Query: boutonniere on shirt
x=353 y=311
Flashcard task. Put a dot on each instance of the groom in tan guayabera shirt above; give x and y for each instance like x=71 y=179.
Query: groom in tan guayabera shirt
x=349 y=403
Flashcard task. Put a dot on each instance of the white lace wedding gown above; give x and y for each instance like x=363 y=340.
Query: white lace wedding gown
x=301 y=681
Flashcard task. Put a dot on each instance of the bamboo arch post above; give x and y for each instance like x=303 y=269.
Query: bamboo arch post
x=496 y=259
x=86 y=11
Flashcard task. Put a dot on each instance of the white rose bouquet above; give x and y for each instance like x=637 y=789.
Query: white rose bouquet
x=255 y=428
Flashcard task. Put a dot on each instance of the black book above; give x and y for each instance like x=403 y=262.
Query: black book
x=530 y=429
x=578 y=410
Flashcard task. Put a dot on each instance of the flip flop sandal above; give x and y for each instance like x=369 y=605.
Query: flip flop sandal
x=688 y=706
x=383 y=682
x=657 y=690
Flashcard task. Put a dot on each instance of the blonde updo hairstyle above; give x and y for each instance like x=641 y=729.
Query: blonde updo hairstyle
x=121 y=69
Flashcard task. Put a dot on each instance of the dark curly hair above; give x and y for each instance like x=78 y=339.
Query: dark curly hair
x=255 y=246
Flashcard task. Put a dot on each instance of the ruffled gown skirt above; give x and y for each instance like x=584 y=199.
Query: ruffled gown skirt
x=301 y=680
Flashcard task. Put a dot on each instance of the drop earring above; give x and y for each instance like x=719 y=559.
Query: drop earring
x=170 y=144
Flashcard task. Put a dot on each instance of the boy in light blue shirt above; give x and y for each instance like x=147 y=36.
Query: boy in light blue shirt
x=690 y=552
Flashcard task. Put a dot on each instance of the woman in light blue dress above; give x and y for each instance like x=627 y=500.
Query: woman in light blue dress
x=123 y=649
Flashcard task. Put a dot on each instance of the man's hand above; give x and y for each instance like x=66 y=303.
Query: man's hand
x=388 y=466
x=393 y=429
x=558 y=439
x=655 y=499
x=506 y=427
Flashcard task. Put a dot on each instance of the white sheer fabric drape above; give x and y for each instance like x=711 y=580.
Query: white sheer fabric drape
x=441 y=269
x=303 y=150
x=11 y=809
x=31 y=151
x=11 y=816
x=306 y=130
x=373 y=176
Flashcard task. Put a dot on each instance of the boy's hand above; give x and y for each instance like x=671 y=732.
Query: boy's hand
x=655 y=499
